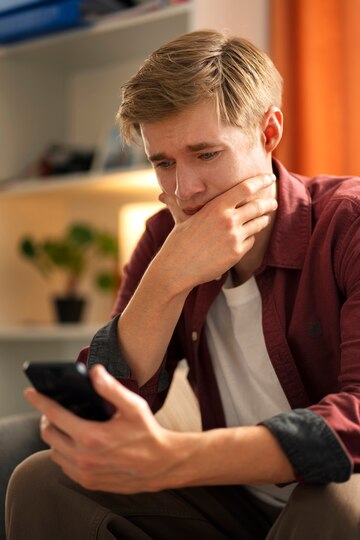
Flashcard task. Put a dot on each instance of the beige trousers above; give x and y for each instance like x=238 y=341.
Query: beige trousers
x=43 y=504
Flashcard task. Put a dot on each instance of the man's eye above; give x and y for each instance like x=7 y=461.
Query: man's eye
x=164 y=164
x=207 y=156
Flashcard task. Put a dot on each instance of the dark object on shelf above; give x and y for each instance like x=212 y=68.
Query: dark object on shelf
x=64 y=159
x=69 y=309
x=98 y=8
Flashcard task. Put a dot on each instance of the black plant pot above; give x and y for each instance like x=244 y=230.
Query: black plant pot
x=69 y=309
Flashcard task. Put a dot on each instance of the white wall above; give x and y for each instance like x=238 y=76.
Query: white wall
x=245 y=18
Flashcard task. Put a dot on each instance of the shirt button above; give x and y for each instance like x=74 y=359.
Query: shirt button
x=194 y=335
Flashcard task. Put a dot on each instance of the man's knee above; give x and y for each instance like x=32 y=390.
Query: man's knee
x=338 y=500
x=34 y=471
x=321 y=512
x=29 y=486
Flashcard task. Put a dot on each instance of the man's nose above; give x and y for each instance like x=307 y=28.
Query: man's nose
x=188 y=183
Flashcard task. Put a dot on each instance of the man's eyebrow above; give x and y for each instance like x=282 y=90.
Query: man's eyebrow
x=190 y=147
x=201 y=146
x=158 y=157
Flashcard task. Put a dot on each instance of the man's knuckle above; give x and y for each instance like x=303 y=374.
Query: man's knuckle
x=248 y=187
x=91 y=440
x=83 y=463
x=258 y=206
x=228 y=220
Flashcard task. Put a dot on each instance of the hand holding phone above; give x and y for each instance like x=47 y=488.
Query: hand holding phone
x=70 y=385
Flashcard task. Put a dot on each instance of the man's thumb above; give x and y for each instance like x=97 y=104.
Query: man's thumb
x=112 y=390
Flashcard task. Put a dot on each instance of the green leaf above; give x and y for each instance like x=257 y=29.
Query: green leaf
x=66 y=255
x=81 y=234
x=107 y=281
x=107 y=243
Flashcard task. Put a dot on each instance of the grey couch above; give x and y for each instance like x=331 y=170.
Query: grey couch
x=19 y=437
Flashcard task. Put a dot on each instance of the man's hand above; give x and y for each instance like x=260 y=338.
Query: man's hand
x=126 y=454
x=132 y=453
x=203 y=246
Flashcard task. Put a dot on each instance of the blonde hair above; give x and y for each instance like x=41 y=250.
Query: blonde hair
x=199 y=66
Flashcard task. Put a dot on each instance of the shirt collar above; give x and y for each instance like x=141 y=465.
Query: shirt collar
x=292 y=229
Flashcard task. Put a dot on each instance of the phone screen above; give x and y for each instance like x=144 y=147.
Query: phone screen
x=69 y=384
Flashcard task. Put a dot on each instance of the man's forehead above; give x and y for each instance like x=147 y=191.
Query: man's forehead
x=195 y=115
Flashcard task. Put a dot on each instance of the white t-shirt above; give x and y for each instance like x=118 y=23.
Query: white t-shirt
x=249 y=388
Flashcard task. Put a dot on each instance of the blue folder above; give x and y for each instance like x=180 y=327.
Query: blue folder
x=35 y=20
x=10 y=5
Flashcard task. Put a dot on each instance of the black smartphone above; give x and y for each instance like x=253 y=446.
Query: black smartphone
x=70 y=385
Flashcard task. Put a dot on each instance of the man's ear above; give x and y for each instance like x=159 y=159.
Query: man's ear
x=271 y=128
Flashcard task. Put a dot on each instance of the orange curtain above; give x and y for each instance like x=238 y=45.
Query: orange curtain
x=315 y=44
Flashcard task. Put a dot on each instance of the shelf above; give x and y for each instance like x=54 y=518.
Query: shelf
x=65 y=88
x=94 y=45
x=130 y=180
x=48 y=332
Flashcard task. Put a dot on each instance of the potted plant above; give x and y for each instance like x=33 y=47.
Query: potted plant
x=73 y=254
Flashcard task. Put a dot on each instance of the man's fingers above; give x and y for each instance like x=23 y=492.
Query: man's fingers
x=64 y=420
x=251 y=186
x=256 y=208
x=56 y=438
x=253 y=227
x=242 y=192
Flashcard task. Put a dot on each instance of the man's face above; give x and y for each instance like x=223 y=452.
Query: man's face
x=196 y=157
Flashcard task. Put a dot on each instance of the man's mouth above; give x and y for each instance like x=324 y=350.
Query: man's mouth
x=191 y=211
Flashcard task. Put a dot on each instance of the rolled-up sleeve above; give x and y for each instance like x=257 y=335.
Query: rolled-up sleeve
x=312 y=447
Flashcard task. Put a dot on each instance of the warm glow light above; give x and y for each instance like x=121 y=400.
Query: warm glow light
x=132 y=218
x=131 y=181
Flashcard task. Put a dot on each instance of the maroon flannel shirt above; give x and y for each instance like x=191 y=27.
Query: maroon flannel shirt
x=310 y=288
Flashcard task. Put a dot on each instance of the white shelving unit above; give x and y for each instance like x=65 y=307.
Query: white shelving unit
x=93 y=46
x=63 y=88
x=66 y=88
x=34 y=333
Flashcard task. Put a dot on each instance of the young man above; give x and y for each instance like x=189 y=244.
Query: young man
x=252 y=275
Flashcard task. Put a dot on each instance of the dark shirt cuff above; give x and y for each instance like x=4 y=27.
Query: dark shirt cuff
x=313 y=449
x=105 y=350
